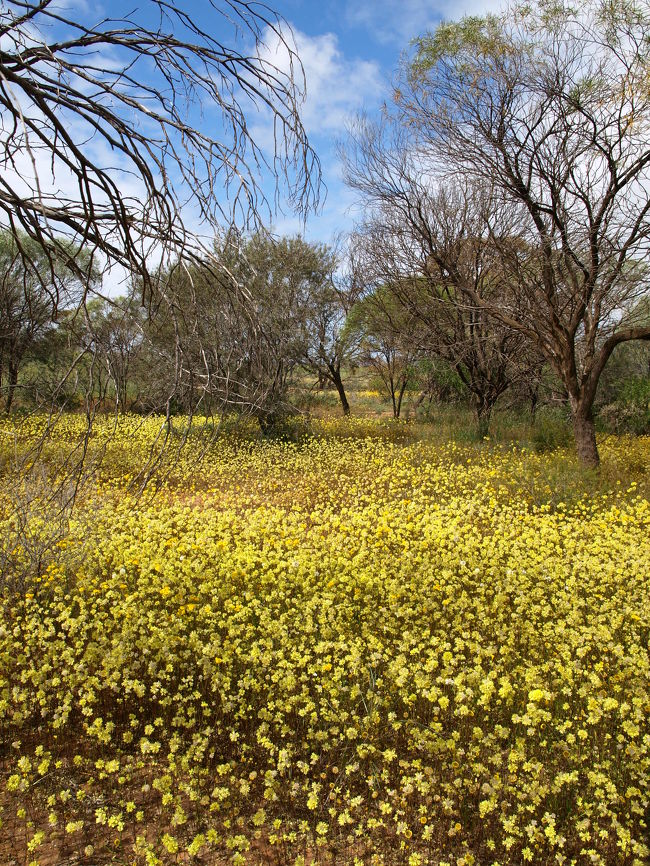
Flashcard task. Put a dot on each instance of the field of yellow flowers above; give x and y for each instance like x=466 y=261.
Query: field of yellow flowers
x=360 y=648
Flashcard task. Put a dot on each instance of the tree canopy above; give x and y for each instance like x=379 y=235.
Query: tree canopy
x=550 y=106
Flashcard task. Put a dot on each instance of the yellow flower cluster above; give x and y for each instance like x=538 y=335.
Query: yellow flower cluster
x=383 y=648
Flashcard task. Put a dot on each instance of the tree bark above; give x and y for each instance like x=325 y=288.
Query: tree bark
x=338 y=383
x=483 y=423
x=584 y=431
x=396 y=397
x=483 y=409
x=13 y=382
x=393 y=396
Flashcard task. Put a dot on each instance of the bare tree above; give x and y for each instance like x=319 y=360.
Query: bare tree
x=551 y=106
x=114 y=133
x=430 y=247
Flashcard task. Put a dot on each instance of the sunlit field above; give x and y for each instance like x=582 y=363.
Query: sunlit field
x=360 y=647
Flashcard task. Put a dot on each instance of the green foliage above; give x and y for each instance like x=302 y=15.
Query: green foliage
x=624 y=391
x=630 y=413
x=552 y=430
x=36 y=287
x=452 y=40
x=243 y=326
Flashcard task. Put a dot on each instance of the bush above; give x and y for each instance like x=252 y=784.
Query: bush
x=630 y=413
x=551 y=430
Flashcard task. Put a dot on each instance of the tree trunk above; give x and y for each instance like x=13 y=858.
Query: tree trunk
x=393 y=396
x=483 y=424
x=338 y=382
x=584 y=431
x=483 y=410
x=420 y=400
x=400 y=397
x=267 y=423
x=13 y=381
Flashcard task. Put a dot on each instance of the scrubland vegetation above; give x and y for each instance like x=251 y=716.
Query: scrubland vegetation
x=364 y=646
x=233 y=629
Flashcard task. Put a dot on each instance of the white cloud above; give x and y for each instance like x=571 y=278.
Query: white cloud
x=336 y=86
x=80 y=6
x=399 y=21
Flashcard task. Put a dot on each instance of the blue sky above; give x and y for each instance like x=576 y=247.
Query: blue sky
x=350 y=52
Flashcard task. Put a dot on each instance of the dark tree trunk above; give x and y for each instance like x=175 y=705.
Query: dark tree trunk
x=584 y=431
x=393 y=396
x=338 y=383
x=13 y=382
x=267 y=423
x=483 y=423
x=396 y=399
x=483 y=410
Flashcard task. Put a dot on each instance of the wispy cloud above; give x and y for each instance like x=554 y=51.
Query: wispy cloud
x=398 y=21
x=336 y=86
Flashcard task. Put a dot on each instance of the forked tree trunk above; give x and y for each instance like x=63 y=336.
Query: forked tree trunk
x=396 y=398
x=584 y=431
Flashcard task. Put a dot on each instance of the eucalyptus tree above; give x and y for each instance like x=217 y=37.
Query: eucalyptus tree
x=242 y=331
x=549 y=104
x=35 y=286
